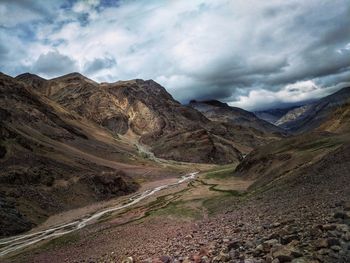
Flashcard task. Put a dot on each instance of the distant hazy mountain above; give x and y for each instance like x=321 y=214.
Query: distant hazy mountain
x=312 y=115
x=218 y=111
x=273 y=115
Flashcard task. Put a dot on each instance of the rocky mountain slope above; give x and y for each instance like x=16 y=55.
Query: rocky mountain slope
x=222 y=112
x=69 y=141
x=52 y=160
x=312 y=115
x=145 y=111
x=338 y=120
x=278 y=161
x=297 y=214
x=58 y=149
x=273 y=115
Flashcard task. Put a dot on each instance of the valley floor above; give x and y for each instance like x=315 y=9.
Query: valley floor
x=176 y=207
x=214 y=219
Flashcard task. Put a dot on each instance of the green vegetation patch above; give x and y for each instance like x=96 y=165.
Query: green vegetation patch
x=62 y=241
x=223 y=173
x=181 y=209
x=213 y=187
x=218 y=204
x=319 y=144
x=59 y=242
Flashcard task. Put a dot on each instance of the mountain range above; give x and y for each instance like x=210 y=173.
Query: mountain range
x=73 y=135
x=69 y=141
x=311 y=116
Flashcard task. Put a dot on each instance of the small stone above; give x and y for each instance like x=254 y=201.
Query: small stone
x=334 y=255
x=336 y=248
x=321 y=243
x=270 y=243
x=128 y=260
x=234 y=254
x=333 y=242
x=234 y=245
x=346 y=236
x=341 y=215
x=328 y=227
x=275 y=235
x=342 y=228
x=188 y=237
x=260 y=247
x=165 y=259
x=300 y=260
x=205 y=259
x=324 y=251
x=315 y=231
x=276 y=224
x=224 y=257
x=296 y=254
x=287 y=239
x=283 y=254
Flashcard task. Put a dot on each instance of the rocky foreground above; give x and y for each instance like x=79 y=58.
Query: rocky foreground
x=302 y=217
x=256 y=235
x=305 y=218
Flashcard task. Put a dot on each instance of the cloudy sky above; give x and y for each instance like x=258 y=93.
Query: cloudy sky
x=251 y=54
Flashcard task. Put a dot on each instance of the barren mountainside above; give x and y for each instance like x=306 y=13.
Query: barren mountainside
x=61 y=148
x=311 y=116
x=218 y=111
x=50 y=160
x=145 y=110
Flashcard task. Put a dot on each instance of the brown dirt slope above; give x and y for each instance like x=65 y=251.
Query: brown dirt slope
x=49 y=159
x=146 y=110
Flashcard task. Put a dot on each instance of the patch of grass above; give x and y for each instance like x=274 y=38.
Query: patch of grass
x=213 y=187
x=62 y=241
x=217 y=204
x=59 y=242
x=178 y=209
x=159 y=203
x=319 y=144
x=222 y=173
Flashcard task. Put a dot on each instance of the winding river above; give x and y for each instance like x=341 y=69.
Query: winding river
x=15 y=243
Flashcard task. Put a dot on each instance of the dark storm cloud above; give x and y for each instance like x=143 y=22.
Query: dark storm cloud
x=99 y=64
x=250 y=53
x=3 y=52
x=22 y=11
x=53 y=64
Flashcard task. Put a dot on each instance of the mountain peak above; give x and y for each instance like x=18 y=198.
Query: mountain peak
x=74 y=76
x=27 y=76
x=215 y=103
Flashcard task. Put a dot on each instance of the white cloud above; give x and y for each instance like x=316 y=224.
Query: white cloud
x=290 y=94
x=197 y=49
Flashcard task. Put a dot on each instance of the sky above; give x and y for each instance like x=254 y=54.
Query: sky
x=252 y=54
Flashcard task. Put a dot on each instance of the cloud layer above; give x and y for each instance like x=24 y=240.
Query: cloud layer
x=253 y=54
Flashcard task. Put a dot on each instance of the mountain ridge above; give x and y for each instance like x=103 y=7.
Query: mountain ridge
x=146 y=109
